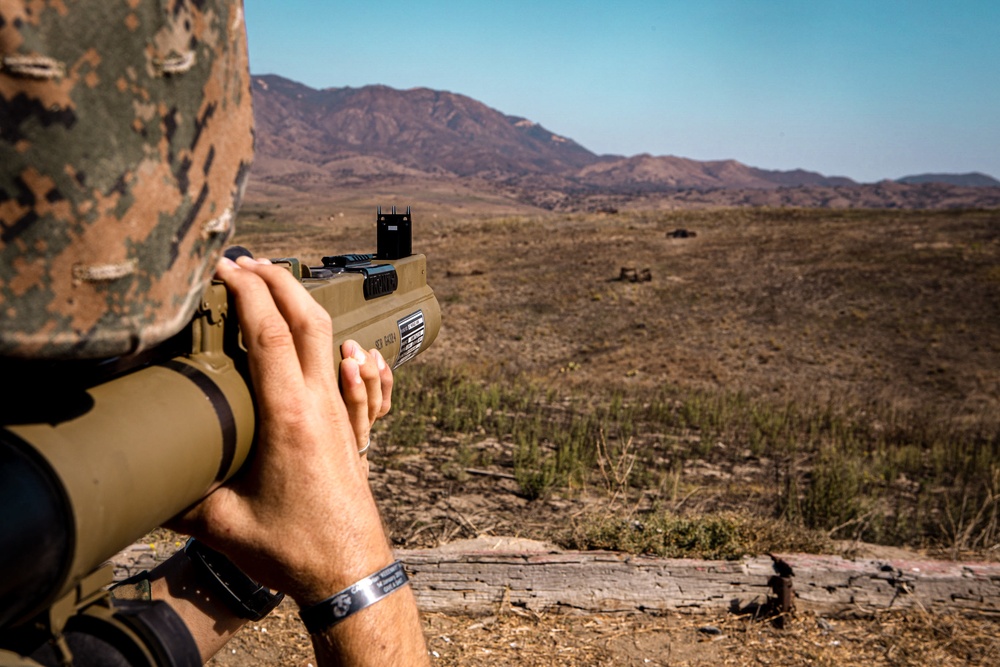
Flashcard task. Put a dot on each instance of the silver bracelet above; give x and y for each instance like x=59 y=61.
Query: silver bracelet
x=364 y=450
x=326 y=614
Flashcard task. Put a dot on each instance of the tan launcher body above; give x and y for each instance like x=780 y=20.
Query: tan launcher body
x=82 y=483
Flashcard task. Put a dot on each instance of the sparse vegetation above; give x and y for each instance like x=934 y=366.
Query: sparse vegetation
x=864 y=472
x=828 y=369
x=716 y=536
x=785 y=377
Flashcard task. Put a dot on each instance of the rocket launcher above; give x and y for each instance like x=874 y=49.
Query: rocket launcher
x=95 y=455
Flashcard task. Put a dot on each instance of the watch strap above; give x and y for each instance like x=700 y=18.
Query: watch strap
x=247 y=598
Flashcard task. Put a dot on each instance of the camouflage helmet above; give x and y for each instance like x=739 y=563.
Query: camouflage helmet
x=126 y=135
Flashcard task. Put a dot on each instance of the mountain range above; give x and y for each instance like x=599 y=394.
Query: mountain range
x=352 y=136
x=970 y=180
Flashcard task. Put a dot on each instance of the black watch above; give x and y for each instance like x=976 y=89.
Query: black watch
x=243 y=595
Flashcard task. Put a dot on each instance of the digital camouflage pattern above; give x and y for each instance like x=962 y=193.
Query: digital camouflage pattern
x=125 y=141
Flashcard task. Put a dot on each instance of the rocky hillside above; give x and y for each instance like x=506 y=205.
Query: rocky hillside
x=426 y=130
x=971 y=180
x=437 y=132
x=343 y=137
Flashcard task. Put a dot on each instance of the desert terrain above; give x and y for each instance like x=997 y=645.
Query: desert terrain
x=659 y=356
x=828 y=377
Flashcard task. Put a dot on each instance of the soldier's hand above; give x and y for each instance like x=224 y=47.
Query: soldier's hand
x=300 y=516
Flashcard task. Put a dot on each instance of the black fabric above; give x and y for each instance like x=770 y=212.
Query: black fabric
x=96 y=643
x=88 y=651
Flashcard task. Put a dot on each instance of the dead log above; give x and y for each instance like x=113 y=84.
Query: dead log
x=476 y=581
x=476 y=576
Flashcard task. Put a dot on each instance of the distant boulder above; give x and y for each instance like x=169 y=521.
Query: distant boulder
x=682 y=234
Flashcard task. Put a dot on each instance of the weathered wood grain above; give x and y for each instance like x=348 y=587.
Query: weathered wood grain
x=476 y=576
x=476 y=582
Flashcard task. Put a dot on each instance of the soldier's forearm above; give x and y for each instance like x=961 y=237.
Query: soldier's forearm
x=208 y=618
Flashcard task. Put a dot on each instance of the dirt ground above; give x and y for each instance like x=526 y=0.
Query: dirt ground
x=771 y=305
x=896 y=306
x=519 y=638
x=826 y=307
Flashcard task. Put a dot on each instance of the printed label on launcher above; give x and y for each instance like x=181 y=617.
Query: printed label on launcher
x=411 y=336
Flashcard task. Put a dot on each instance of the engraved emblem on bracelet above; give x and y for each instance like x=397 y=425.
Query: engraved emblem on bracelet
x=342 y=605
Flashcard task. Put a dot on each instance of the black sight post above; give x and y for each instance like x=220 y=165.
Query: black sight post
x=394 y=235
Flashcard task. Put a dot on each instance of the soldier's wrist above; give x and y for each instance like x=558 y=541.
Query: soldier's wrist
x=339 y=568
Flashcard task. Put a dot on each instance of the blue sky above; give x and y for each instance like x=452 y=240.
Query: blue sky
x=868 y=89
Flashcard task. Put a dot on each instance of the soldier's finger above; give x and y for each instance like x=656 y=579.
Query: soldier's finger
x=386 y=380
x=272 y=357
x=356 y=399
x=370 y=376
x=307 y=321
x=368 y=368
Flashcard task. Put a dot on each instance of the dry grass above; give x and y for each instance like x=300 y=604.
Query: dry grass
x=838 y=367
x=891 y=639
x=834 y=369
x=896 y=307
x=515 y=637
